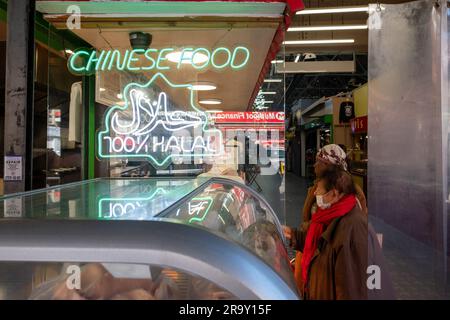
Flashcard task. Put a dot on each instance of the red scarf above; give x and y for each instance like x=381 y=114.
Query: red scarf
x=319 y=221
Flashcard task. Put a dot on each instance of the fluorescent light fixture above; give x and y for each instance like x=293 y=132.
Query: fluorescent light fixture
x=329 y=28
x=210 y=101
x=267 y=92
x=203 y=86
x=273 y=80
x=297 y=58
x=334 y=10
x=187 y=57
x=330 y=41
x=277 y=61
x=102 y=89
x=68 y=51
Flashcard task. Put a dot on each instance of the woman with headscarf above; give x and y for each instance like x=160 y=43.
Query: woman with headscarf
x=329 y=157
x=338 y=245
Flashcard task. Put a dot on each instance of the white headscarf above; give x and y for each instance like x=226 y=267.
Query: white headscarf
x=333 y=154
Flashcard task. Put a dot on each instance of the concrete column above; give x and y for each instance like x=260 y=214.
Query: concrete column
x=19 y=90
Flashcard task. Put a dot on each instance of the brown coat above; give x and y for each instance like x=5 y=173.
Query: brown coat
x=338 y=269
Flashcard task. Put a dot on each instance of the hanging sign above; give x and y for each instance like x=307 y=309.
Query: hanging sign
x=359 y=124
x=147 y=128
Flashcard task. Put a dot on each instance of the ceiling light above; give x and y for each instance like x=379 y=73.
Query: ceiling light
x=334 y=10
x=277 y=61
x=330 y=41
x=273 y=80
x=267 y=92
x=68 y=51
x=187 y=57
x=102 y=89
x=297 y=58
x=119 y=96
x=203 y=86
x=329 y=28
x=210 y=101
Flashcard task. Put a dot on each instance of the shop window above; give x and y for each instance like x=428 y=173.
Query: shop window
x=58 y=112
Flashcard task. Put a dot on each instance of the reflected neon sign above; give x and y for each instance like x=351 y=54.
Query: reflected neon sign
x=87 y=61
x=146 y=129
x=117 y=208
x=199 y=207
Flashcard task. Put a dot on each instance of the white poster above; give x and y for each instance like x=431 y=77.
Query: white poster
x=13 y=168
x=13 y=208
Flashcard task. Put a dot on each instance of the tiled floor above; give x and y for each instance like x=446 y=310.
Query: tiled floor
x=417 y=271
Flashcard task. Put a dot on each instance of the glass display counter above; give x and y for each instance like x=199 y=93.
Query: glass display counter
x=155 y=238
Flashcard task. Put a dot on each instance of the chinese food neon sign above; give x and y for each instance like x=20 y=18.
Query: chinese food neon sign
x=87 y=61
x=145 y=128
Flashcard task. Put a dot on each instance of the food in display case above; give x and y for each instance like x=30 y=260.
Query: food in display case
x=155 y=238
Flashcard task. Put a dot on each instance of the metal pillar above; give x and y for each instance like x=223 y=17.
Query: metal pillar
x=303 y=152
x=19 y=91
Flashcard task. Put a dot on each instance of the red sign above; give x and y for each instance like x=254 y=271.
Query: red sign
x=249 y=117
x=359 y=124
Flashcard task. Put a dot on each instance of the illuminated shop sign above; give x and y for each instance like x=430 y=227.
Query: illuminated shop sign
x=250 y=117
x=87 y=61
x=146 y=128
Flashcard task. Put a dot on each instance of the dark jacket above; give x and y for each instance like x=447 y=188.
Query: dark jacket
x=339 y=268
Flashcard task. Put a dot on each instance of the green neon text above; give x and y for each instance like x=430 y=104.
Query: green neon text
x=105 y=134
x=85 y=62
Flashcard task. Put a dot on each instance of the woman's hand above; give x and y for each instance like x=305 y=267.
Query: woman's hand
x=287 y=232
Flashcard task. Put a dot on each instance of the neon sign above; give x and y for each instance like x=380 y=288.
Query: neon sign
x=117 y=208
x=87 y=61
x=146 y=129
x=200 y=208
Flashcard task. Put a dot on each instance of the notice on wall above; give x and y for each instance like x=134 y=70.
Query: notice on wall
x=13 y=208
x=13 y=168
